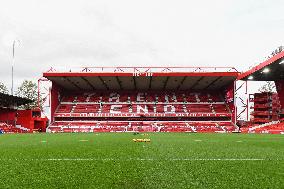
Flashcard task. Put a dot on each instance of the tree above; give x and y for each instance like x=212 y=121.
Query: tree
x=28 y=89
x=269 y=86
x=3 y=88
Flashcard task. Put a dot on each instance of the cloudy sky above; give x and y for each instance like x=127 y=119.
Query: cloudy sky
x=57 y=33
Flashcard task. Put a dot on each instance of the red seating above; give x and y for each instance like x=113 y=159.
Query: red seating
x=145 y=106
x=86 y=108
x=82 y=98
x=273 y=128
x=68 y=98
x=6 y=128
x=64 y=108
x=141 y=126
x=150 y=97
x=94 y=98
x=220 y=108
x=122 y=108
x=168 y=97
x=204 y=108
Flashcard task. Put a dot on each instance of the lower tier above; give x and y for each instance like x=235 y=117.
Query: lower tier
x=141 y=126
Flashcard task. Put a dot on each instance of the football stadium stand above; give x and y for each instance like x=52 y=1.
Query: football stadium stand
x=268 y=108
x=8 y=112
x=13 y=120
x=143 y=100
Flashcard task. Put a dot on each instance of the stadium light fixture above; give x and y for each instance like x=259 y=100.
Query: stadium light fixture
x=265 y=70
x=250 y=77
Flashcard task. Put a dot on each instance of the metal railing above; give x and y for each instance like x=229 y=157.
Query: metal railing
x=141 y=69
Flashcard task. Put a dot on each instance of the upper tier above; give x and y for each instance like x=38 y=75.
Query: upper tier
x=137 y=104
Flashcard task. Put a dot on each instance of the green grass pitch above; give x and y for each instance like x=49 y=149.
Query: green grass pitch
x=113 y=160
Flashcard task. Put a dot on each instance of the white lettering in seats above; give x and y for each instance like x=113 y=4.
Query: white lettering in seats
x=141 y=97
x=139 y=108
x=114 y=97
x=169 y=109
x=115 y=109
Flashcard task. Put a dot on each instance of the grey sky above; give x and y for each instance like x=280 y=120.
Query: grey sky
x=70 y=33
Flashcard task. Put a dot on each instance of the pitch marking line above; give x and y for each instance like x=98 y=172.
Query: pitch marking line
x=145 y=159
x=150 y=159
x=83 y=140
x=198 y=140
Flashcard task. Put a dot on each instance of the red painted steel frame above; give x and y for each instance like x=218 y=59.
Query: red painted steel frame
x=39 y=81
x=257 y=68
x=245 y=103
x=262 y=65
x=54 y=93
x=84 y=74
x=280 y=91
x=144 y=71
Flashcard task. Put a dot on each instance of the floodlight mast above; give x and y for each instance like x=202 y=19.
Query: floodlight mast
x=13 y=62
